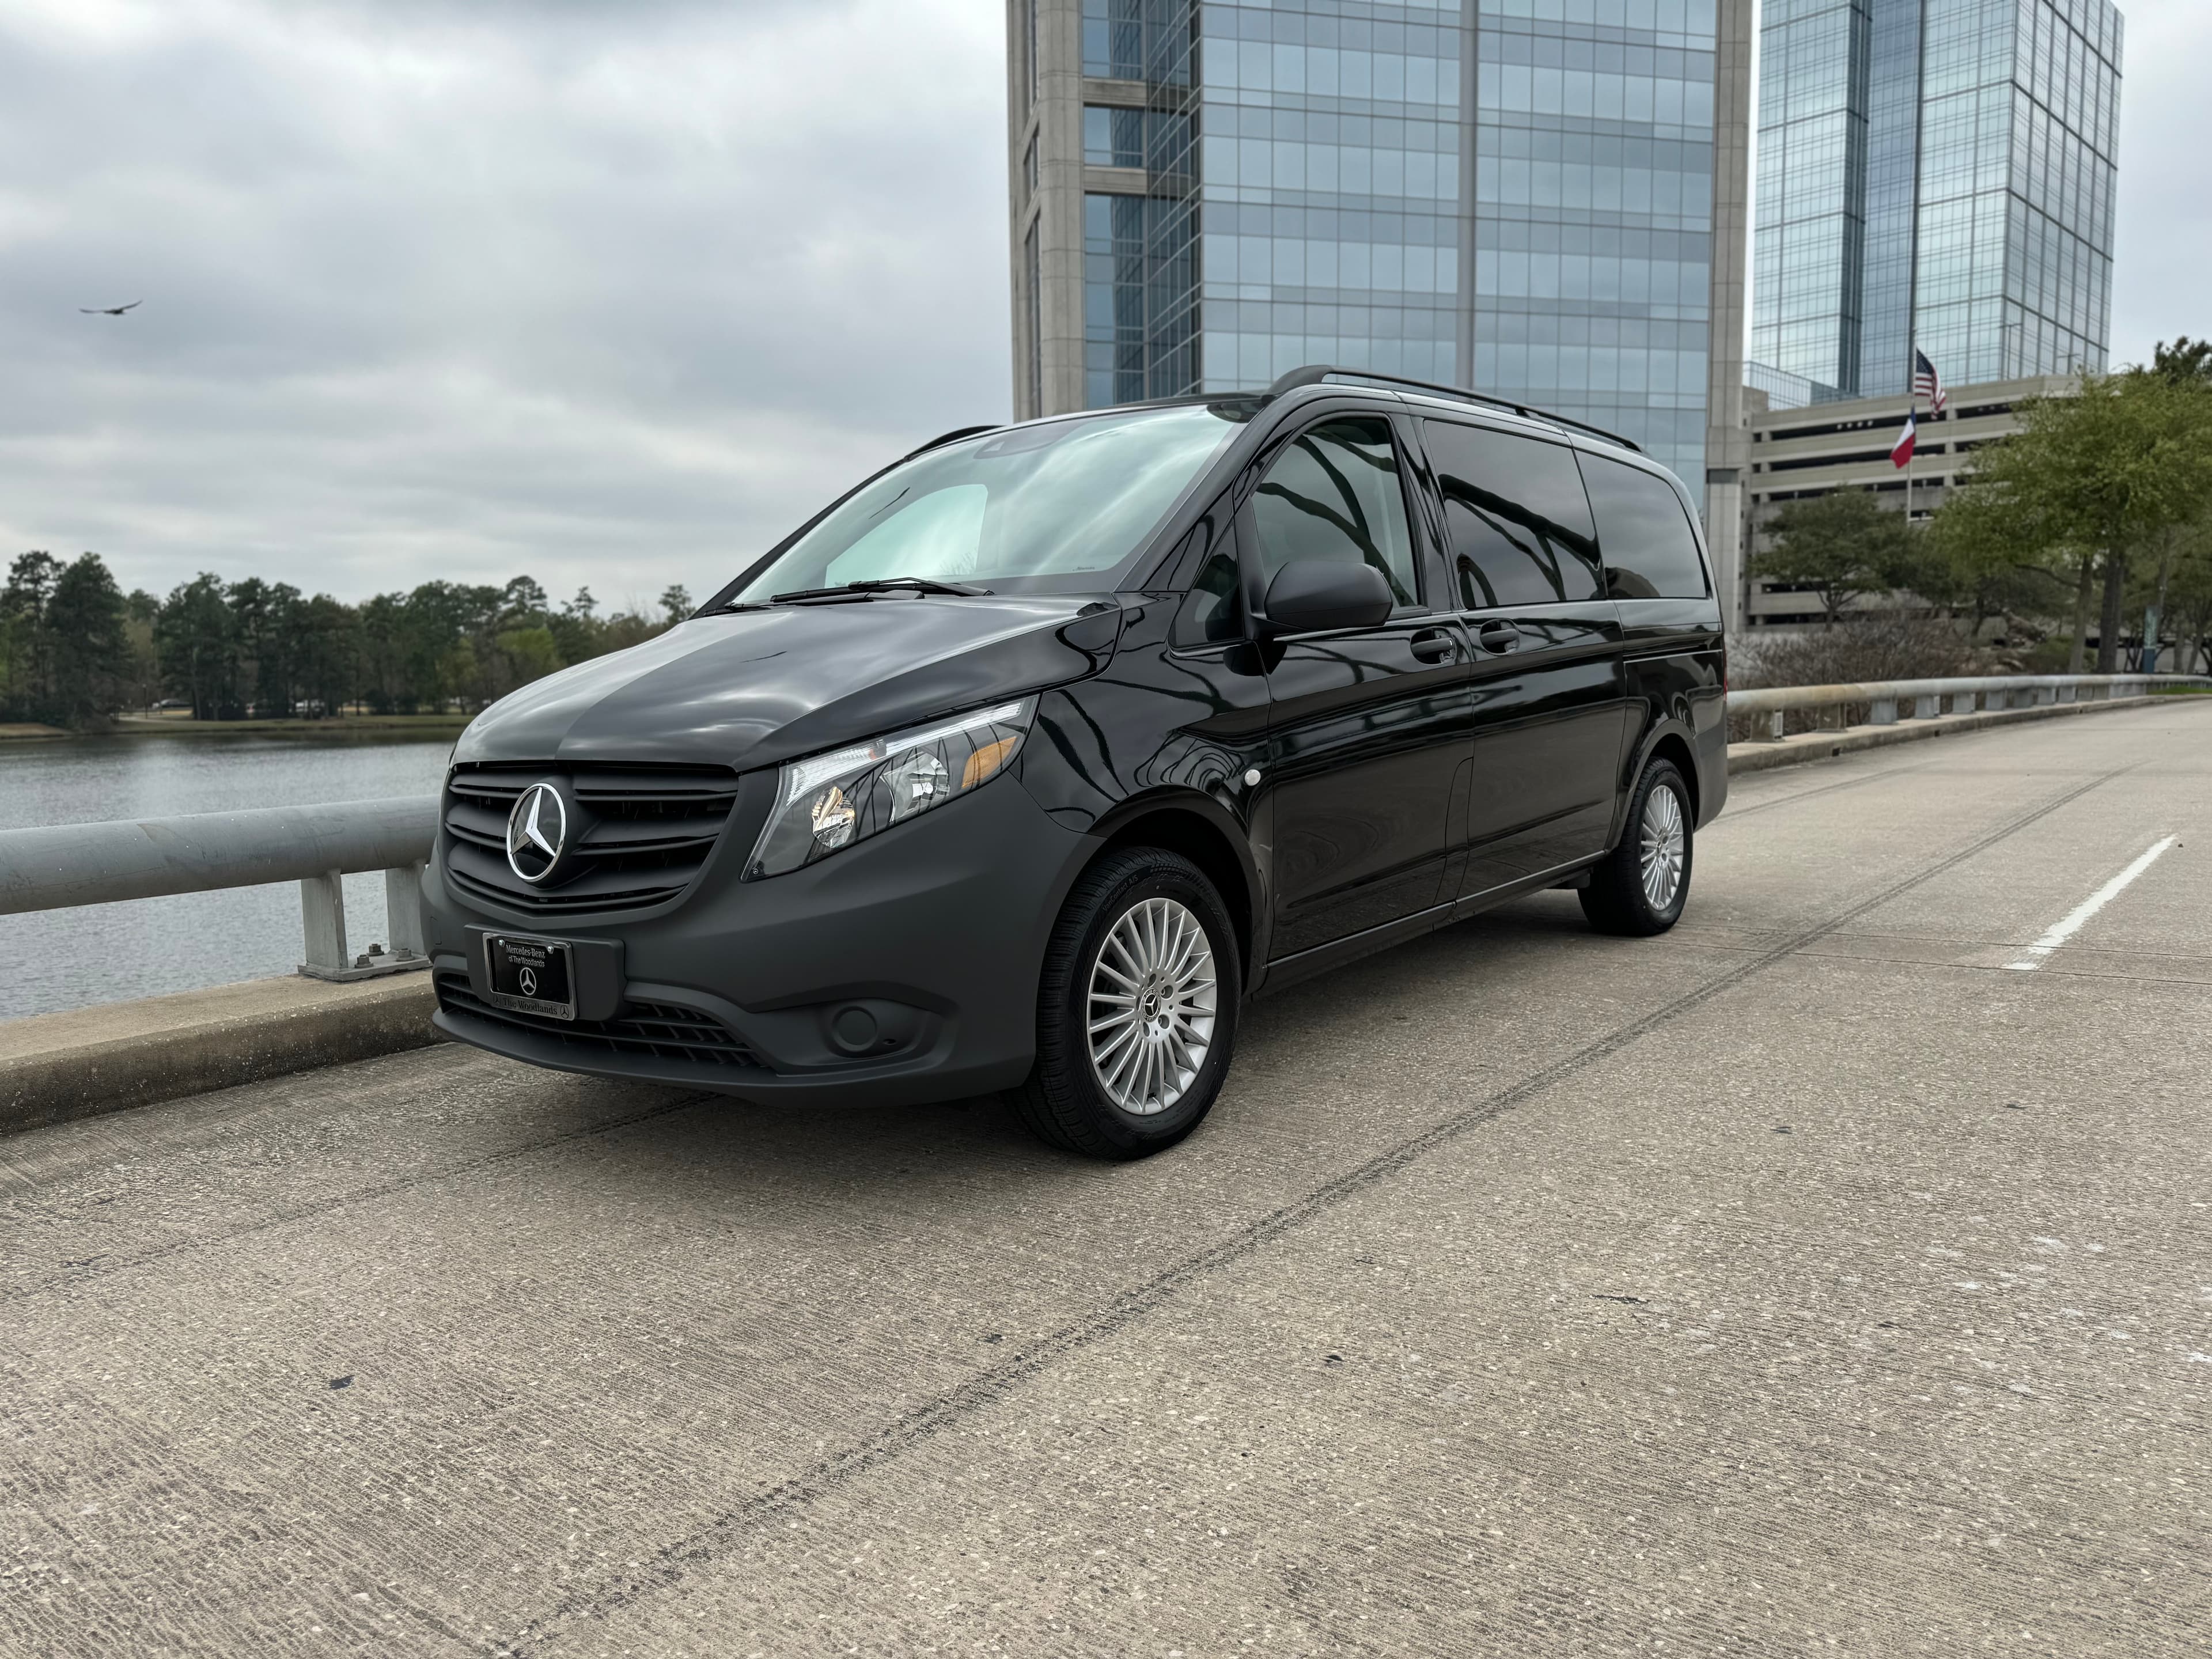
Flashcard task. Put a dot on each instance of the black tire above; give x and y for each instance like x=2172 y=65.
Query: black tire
x=1065 y=1101
x=1616 y=900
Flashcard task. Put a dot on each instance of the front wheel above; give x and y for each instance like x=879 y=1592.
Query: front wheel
x=1640 y=885
x=1136 y=1008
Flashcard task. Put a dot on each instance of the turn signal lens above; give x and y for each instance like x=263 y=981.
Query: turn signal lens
x=826 y=803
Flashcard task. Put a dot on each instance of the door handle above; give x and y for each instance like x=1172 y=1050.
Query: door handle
x=1500 y=636
x=1433 y=645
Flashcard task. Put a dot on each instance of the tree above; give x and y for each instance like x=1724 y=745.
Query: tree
x=143 y=684
x=675 y=602
x=28 y=690
x=2092 y=476
x=1974 y=561
x=2189 y=594
x=325 y=653
x=1841 y=546
x=91 y=651
x=196 y=635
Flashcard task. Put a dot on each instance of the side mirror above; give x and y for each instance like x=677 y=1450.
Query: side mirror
x=1308 y=595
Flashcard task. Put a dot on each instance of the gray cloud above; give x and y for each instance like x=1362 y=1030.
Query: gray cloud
x=610 y=293
x=2163 y=239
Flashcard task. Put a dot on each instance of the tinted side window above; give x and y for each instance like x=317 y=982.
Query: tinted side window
x=1335 y=494
x=1650 y=550
x=1519 y=521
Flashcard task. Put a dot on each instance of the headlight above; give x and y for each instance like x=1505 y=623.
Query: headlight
x=827 y=802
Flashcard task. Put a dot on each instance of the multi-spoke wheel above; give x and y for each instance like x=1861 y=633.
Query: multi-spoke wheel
x=1136 y=1008
x=1640 y=885
x=1662 y=847
x=1152 y=996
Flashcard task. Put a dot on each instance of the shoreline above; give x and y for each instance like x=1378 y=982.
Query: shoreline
x=345 y=726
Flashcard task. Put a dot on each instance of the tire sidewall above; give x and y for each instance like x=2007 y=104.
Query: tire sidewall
x=1162 y=1129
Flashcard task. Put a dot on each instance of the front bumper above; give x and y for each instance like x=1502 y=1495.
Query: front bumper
x=903 y=969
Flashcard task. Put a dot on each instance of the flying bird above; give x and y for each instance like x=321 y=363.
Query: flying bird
x=110 y=311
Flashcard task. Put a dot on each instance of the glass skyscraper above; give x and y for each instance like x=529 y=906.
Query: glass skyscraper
x=1517 y=196
x=1935 y=173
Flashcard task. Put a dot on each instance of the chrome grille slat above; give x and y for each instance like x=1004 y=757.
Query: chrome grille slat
x=642 y=834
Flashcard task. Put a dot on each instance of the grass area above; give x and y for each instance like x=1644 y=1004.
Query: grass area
x=29 y=729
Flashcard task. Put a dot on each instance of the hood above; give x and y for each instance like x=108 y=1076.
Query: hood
x=754 y=688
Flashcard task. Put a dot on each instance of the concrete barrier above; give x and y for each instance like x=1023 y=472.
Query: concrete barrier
x=1803 y=746
x=87 y=1061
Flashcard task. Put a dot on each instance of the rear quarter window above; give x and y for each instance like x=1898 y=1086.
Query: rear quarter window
x=1644 y=533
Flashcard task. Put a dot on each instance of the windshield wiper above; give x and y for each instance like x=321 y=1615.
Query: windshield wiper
x=865 y=590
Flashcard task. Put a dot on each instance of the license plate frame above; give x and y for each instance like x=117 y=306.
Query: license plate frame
x=518 y=967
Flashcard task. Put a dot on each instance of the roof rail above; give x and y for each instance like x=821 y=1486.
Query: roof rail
x=1317 y=374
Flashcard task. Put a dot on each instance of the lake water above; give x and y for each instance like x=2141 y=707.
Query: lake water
x=56 y=959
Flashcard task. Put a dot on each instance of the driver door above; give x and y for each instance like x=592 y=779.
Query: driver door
x=1369 y=730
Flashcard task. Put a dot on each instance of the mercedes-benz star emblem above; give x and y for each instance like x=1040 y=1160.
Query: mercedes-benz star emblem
x=529 y=977
x=537 y=830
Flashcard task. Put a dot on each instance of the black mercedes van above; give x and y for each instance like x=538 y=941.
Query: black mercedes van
x=1024 y=765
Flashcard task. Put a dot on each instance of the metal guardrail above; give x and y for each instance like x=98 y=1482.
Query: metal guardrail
x=1887 y=699
x=73 y=864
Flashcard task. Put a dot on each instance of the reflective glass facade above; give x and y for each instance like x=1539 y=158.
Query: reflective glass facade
x=1514 y=195
x=1937 y=173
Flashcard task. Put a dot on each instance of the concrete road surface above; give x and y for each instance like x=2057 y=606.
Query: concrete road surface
x=1807 y=1281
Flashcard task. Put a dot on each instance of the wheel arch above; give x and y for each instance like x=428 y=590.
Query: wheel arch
x=1199 y=829
x=1674 y=745
x=1671 y=739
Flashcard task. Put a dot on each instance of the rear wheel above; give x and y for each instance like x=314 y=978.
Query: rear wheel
x=1136 y=1008
x=1642 y=884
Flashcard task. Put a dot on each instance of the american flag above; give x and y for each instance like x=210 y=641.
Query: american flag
x=1926 y=383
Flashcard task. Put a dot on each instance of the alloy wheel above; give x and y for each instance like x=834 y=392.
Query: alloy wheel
x=1151 y=1005
x=1661 y=853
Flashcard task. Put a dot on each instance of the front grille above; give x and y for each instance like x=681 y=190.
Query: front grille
x=641 y=833
x=657 y=1030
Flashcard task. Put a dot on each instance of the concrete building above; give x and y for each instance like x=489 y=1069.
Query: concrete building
x=1936 y=173
x=1542 y=199
x=1798 y=452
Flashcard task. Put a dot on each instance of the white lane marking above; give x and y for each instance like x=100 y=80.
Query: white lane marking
x=2039 y=952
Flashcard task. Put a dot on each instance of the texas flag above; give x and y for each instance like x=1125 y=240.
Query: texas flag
x=1901 y=450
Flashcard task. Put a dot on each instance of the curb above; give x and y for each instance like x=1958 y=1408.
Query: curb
x=87 y=1062
x=1826 y=746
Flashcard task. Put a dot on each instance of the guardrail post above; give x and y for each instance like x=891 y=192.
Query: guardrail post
x=1882 y=712
x=1962 y=703
x=403 y=909
x=2045 y=696
x=1777 y=726
x=1926 y=708
x=322 y=912
x=322 y=909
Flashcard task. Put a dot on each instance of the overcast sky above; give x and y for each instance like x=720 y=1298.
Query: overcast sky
x=611 y=292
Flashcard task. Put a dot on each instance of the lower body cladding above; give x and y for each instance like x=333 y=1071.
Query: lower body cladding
x=901 y=971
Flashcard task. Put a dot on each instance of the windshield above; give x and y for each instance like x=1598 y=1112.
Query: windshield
x=1029 y=507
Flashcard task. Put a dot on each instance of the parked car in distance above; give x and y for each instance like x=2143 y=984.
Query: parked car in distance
x=1024 y=765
